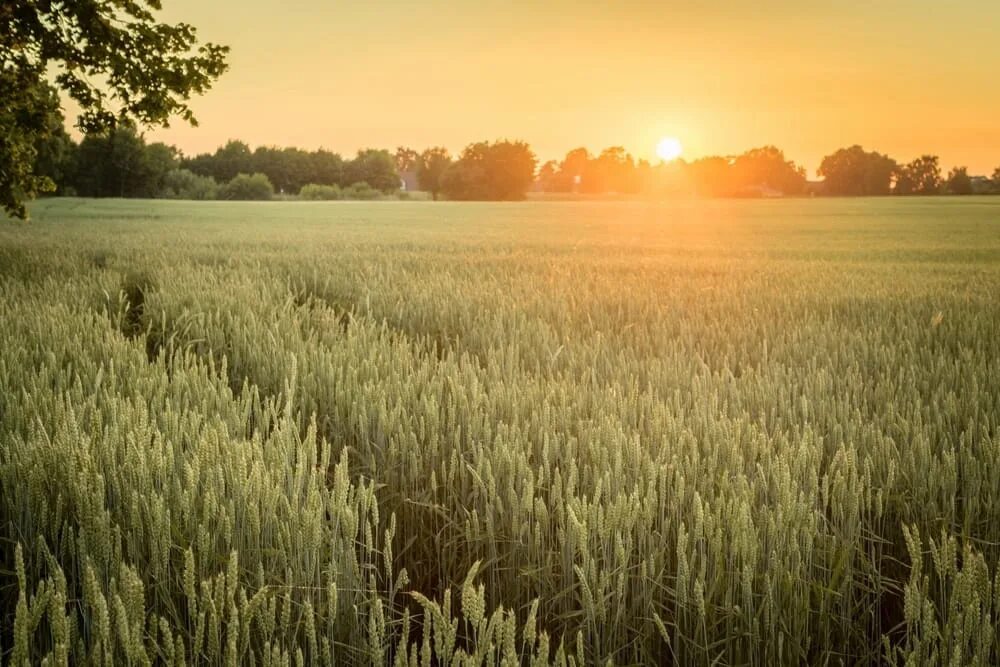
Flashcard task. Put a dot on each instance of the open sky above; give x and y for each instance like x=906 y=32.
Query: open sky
x=904 y=77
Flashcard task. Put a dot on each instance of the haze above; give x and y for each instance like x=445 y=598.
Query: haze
x=904 y=78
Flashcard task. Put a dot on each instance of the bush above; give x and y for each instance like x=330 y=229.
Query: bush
x=184 y=184
x=360 y=190
x=314 y=192
x=247 y=187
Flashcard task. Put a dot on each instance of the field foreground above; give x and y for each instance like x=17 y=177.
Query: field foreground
x=758 y=432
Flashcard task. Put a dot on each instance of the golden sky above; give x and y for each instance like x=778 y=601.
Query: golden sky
x=904 y=77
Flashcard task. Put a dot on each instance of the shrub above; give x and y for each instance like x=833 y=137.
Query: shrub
x=315 y=192
x=360 y=190
x=184 y=184
x=247 y=187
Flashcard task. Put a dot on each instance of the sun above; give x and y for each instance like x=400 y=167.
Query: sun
x=669 y=148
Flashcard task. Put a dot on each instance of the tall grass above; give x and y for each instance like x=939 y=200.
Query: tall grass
x=530 y=434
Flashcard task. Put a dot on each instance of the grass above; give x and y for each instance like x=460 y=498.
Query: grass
x=754 y=432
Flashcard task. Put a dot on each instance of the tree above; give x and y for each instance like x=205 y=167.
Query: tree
x=431 y=166
x=377 y=168
x=118 y=163
x=158 y=160
x=407 y=159
x=503 y=170
x=235 y=157
x=612 y=171
x=26 y=120
x=856 y=172
x=115 y=60
x=959 y=182
x=996 y=179
x=327 y=168
x=567 y=175
x=464 y=180
x=548 y=176
x=287 y=168
x=712 y=177
x=921 y=177
x=573 y=168
x=767 y=166
x=904 y=184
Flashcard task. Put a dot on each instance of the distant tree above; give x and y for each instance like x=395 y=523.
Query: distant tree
x=158 y=160
x=959 y=182
x=996 y=179
x=296 y=165
x=288 y=169
x=645 y=176
x=712 y=177
x=267 y=160
x=235 y=157
x=503 y=170
x=327 y=168
x=921 y=177
x=407 y=159
x=566 y=175
x=573 y=168
x=431 y=166
x=611 y=171
x=767 y=166
x=668 y=178
x=548 y=177
x=202 y=164
x=856 y=172
x=377 y=168
x=903 y=181
x=118 y=163
x=247 y=187
x=465 y=180
x=115 y=60
x=575 y=161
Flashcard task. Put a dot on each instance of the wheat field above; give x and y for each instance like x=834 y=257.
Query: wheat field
x=718 y=433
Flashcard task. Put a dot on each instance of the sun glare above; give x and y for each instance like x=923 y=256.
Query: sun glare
x=669 y=149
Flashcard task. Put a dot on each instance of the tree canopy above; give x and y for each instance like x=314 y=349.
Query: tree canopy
x=502 y=170
x=856 y=172
x=959 y=182
x=113 y=57
x=431 y=165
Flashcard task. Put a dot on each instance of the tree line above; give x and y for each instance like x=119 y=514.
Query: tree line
x=763 y=171
x=118 y=162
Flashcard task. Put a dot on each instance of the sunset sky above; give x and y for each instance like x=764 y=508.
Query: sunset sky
x=902 y=77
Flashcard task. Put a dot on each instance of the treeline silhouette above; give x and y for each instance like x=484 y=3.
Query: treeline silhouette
x=120 y=163
x=759 y=172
